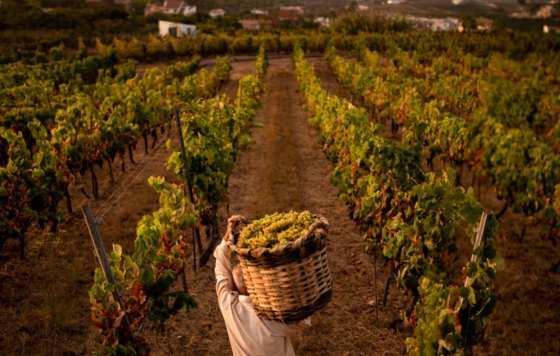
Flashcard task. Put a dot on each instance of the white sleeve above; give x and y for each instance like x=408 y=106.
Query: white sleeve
x=224 y=277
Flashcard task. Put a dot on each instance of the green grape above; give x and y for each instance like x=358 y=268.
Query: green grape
x=276 y=229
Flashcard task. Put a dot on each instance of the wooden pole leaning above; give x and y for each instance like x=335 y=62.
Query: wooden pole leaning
x=102 y=258
x=480 y=232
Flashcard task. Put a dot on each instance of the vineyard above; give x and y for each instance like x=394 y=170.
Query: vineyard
x=435 y=158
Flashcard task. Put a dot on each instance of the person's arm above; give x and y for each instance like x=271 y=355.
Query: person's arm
x=224 y=277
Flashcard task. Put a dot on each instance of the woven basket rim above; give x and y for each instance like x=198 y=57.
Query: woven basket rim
x=315 y=238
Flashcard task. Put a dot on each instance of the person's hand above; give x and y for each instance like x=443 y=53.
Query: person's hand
x=235 y=223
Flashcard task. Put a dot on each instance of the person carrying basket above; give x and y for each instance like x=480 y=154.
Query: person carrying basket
x=250 y=332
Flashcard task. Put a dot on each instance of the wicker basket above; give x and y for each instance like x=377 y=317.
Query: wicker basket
x=287 y=283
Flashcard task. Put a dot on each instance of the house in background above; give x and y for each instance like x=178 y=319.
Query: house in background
x=322 y=21
x=484 y=24
x=250 y=24
x=290 y=13
x=546 y=12
x=435 y=24
x=446 y=24
x=176 y=29
x=216 y=13
x=259 y=12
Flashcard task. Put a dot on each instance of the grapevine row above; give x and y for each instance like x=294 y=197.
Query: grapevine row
x=40 y=160
x=377 y=33
x=214 y=129
x=518 y=94
x=524 y=170
x=414 y=217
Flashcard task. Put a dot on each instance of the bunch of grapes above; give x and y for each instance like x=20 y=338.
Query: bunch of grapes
x=276 y=229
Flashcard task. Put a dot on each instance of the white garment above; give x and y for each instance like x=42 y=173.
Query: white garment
x=249 y=335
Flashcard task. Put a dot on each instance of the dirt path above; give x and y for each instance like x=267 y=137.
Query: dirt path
x=285 y=169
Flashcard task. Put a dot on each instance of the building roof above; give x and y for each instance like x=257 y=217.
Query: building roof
x=249 y=23
x=259 y=12
x=216 y=12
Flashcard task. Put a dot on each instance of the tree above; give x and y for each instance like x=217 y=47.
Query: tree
x=469 y=23
x=137 y=7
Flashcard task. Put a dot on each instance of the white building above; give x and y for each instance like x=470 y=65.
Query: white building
x=216 y=13
x=322 y=21
x=176 y=29
x=435 y=24
x=259 y=12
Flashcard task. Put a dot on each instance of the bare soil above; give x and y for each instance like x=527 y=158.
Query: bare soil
x=44 y=302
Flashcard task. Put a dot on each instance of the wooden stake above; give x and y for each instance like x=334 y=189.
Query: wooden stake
x=183 y=155
x=375 y=286
x=388 y=283
x=480 y=231
x=194 y=249
x=102 y=257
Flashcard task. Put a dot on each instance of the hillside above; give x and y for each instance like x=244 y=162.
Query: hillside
x=243 y=6
x=417 y=7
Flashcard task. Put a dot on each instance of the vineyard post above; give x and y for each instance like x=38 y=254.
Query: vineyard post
x=480 y=232
x=375 y=286
x=102 y=257
x=196 y=236
x=388 y=283
x=183 y=155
